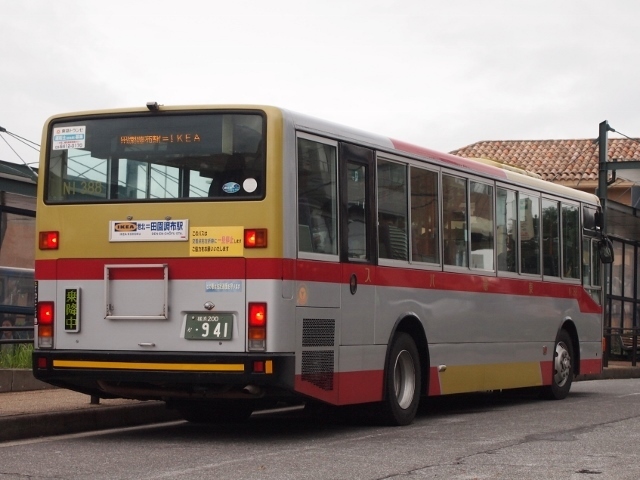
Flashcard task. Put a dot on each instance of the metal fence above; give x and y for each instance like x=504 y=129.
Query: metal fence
x=623 y=342
x=14 y=334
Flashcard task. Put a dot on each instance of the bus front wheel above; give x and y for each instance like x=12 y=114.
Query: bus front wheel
x=562 y=368
x=402 y=381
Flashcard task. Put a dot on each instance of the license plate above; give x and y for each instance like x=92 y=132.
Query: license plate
x=217 y=326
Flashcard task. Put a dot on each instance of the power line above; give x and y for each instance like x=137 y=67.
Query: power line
x=625 y=136
x=26 y=142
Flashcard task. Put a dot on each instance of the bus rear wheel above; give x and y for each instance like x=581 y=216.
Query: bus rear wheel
x=402 y=381
x=562 y=368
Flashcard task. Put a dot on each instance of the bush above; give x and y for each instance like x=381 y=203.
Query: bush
x=18 y=356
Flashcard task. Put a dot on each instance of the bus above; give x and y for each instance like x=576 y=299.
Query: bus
x=229 y=258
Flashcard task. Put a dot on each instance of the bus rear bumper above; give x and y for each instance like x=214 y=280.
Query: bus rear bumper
x=168 y=375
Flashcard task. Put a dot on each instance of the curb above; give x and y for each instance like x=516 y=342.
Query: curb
x=20 y=427
x=612 y=373
x=25 y=426
x=20 y=380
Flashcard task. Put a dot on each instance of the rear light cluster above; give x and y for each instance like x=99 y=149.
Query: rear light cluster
x=44 y=321
x=255 y=238
x=257 y=332
x=48 y=240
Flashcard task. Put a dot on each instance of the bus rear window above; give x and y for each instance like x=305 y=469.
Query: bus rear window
x=164 y=157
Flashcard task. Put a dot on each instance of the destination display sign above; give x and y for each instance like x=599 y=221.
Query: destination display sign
x=149 y=230
x=183 y=137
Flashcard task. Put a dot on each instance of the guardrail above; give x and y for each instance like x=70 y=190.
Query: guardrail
x=13 y=334
x=13 y=339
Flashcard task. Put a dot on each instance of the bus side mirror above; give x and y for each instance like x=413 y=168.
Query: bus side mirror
x=597 y=218
x=605 y=250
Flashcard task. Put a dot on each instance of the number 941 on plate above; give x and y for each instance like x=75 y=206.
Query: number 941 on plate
x=209 y=326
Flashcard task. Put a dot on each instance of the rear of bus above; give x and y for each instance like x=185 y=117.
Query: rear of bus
x=159 y=262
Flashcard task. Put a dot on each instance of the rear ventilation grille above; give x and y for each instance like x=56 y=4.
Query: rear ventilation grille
x=318 y=332
x=318 y=343
x=317 y=368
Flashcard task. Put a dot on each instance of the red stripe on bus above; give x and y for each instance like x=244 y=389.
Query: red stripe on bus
x=546 y=372
x=590 y=366
x=309 y=271
x=316 y=271
x=450 y=159
x=347 y=388
x=434 y=382
x=359 y=387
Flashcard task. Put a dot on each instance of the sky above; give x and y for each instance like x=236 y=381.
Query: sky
x=440 y=74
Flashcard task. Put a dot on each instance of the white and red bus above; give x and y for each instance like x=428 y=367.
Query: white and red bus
x=222 y=258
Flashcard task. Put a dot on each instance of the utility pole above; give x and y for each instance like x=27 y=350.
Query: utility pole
x=603 y=175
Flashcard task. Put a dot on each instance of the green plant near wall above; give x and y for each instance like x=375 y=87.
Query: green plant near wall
x=19 y=356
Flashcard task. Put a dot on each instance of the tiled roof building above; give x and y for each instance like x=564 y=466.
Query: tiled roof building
x=573 y=163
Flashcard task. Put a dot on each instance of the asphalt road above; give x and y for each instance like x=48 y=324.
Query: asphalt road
x=593 y=434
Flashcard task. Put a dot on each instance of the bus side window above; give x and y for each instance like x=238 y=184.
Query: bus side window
x=425 y=232
x=357 y=227
x=529 y=217
x=481 y=226
x=570 y=241
x=507 y=229
x=550 y=238
x=317 y=197
x=454 y=215
x=392 y=211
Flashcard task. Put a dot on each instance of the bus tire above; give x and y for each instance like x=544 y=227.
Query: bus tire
x=562 y=375
x=402 y=381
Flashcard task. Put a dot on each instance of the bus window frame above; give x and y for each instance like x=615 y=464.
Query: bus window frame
x=508 y=273
x=518 y=189
x=383 y=157
x=432 y=168
x=335 y=144
x=462 y=176
x=581 y=234
x=557 y=201
x=356 y=154
x=492 y=185
x=578 y=278
x=468 y=179
x=114 y=164
x=537 y=194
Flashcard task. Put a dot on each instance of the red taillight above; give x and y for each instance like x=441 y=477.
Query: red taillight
x=49 y=240
x=255 y=238
x=45 y=313
x=257 y=332
x=44 y=321
x=257 y=314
